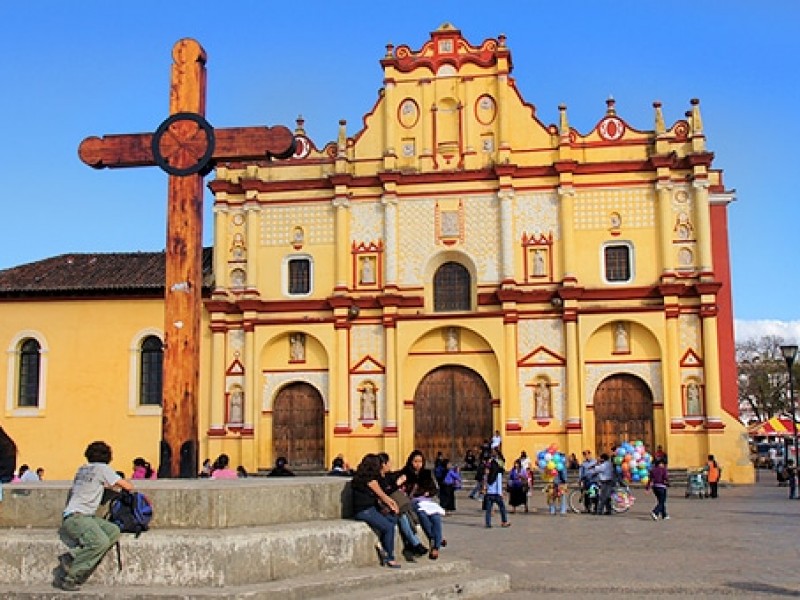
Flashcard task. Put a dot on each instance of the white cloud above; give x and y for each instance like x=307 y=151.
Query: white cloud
x=747 y=330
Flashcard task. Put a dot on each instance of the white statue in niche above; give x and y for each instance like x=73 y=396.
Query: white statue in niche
x=368 y=269
x=236 y=406
x=297 y=347
x=369 y=403
x=238 y=248
x=693 y=401
x=538 y=263
x=621 y=343
x=451 y=339
x=541 y=395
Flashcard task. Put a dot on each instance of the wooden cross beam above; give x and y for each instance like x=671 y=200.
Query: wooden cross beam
x=187 y=148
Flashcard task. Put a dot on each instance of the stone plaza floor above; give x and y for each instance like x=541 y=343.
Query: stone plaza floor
x=744 y=543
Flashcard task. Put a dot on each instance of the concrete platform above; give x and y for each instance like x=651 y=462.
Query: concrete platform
x=196 y=503
x=199 y=558
x=425 y=580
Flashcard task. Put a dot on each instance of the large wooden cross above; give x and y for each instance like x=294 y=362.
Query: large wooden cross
x=186 y=147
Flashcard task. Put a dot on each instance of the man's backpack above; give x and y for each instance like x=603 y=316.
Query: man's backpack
x=131 y=512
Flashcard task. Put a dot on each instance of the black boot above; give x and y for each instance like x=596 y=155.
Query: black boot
x=420 y=550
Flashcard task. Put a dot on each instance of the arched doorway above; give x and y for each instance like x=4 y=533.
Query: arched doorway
x=298 y=417
x=452 y=412
x=623 y=411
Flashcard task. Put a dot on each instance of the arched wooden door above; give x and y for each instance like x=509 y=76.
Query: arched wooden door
x=623 y=411
x=452 y=412
x=298 y=433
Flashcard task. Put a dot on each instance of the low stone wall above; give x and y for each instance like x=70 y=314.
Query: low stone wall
x=197 y=503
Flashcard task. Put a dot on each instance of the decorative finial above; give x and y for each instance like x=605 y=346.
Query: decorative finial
x=300 y=121
x=611 y=106
x=563 y=125
x=660 y=126
x=501 y=40
x=342 y=141
x=697 y=121
x=389 y=50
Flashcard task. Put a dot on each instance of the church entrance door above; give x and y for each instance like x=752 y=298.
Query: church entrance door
x=452 y=412
x=298 y=432
x=623 y=412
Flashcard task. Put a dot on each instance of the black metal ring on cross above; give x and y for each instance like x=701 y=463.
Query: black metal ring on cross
x=203 y=164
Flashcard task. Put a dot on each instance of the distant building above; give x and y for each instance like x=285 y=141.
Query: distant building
x=454 y=267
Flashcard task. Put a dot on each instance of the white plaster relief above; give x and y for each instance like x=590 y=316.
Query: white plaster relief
x=366 y=222
x=368 y=340
x=316 y=220
x=636 y=206
x=536 y=214
x=650 y=373
x=689 y=327
x=273 y=382
x=416 y=240
x=533 y=333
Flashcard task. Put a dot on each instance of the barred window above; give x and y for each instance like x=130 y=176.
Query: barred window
x=29 y=374
x=617 y=259
x=151 y=368
x=452 y=288
x=299 y=276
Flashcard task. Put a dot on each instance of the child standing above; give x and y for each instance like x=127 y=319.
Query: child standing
x=556 y=492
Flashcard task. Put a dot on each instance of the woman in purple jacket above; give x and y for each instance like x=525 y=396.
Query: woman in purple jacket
x=659 y=481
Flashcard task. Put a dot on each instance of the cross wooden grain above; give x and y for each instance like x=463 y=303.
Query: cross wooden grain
x=187 y=148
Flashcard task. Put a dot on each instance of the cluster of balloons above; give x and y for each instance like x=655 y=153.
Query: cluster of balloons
x=551 y=461
x=633 y=461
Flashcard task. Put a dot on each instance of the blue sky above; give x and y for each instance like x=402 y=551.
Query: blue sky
x=75 y=69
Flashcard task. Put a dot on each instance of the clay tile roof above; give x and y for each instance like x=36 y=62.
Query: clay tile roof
x=116 y=273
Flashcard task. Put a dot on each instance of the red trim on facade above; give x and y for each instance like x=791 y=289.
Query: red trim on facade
x=342 y=430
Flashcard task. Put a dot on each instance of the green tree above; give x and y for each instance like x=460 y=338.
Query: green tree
x=763 y=381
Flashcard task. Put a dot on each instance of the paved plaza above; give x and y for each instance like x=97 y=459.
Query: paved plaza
x=745 y=543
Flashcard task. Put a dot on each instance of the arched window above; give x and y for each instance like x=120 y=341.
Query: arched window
x=452 y=288
x=29 y=373
x=150 y=373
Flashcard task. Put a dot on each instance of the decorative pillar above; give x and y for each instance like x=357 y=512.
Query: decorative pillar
x=711 y=371
x=506 y=198
x=703 y=217
x=341 y=204
x=217 y=366
x=391 y=394
x=389 y=202
x=251 y=387
x=510 y=405
x=220 y=245
x=566 y=222
x=664 y=192
x=253 y=220
x=339 y=405
x=670 y=366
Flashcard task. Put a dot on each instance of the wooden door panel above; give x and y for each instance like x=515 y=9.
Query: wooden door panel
x=452 y=412
x=298 y=426
x=623 y=411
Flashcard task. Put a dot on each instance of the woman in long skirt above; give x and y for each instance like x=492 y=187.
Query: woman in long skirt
x=517 y=487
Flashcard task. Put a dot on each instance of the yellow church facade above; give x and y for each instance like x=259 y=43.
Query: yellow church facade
x=454 y=268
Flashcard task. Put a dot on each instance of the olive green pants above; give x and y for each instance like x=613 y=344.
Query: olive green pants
x=93 y=537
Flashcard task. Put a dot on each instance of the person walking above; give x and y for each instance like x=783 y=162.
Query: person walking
x=659 y=482
x=713 y=472
x=92 y=536
x=791 y=475
x=493 y=493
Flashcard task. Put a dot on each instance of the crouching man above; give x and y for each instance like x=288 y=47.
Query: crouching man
x=91 y=535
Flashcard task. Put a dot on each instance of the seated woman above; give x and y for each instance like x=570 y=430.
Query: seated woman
x=421 y=487
x=142 y=469
x=373 y=506
x=392 y=482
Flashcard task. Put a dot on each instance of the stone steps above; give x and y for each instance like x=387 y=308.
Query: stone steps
x=440 y=579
